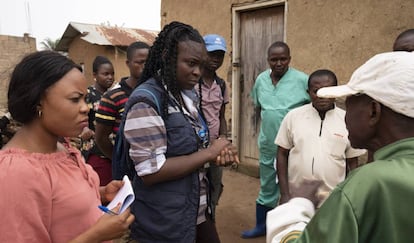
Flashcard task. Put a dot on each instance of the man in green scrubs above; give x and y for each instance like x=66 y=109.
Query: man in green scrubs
x=375 y=203
x=275 y=92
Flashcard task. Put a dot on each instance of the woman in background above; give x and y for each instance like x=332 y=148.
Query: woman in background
x=103 y=73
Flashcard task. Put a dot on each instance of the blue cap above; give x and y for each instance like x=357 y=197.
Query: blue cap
x=215 y=43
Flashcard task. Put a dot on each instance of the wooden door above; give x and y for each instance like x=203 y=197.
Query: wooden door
x=258 y=30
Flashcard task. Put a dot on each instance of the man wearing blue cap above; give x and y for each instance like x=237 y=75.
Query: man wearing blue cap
x=214 y=97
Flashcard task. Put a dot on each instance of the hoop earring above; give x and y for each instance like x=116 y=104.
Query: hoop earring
x=39 y=113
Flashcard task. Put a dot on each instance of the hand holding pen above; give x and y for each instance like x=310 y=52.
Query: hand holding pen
x=108 y=227
x=114 y=225
x=107 y=210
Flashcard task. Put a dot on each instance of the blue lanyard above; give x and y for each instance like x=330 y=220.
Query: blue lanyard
x=203 y=132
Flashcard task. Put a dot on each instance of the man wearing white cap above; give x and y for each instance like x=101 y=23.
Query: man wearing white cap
x=375 y=203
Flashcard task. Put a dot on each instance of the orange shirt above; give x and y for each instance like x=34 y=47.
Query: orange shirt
x=46 y=197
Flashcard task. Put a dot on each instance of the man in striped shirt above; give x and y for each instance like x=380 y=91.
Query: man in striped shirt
x=111 y=107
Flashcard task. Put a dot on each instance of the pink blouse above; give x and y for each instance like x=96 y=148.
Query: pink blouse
x=46 y=197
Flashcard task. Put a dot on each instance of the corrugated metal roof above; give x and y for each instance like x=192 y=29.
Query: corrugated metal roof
x=104 y=35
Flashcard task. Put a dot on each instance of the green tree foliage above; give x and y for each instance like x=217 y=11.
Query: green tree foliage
x=49 y=44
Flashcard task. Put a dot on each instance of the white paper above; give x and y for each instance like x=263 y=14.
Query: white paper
x=125 y=196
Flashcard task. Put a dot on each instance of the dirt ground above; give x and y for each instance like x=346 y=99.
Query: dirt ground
x=237 y=207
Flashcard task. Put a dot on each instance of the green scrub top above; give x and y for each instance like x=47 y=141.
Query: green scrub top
x=275 y=102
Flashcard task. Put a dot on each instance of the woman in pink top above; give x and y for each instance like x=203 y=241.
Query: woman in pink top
x=48 y=193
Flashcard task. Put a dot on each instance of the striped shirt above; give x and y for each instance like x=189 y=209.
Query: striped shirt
x=146 y=133
x=111 y=106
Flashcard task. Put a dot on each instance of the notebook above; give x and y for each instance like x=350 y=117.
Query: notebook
x=125 y=196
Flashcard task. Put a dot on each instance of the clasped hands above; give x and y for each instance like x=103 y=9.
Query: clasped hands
x=226 y=152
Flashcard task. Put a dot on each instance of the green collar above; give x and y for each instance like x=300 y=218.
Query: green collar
x=399 y=148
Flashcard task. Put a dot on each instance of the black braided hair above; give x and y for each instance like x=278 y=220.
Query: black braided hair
x=200 y=94
x=200 y=98
x=162 y=58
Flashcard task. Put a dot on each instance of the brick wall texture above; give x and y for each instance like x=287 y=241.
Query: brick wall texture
x=12 y=50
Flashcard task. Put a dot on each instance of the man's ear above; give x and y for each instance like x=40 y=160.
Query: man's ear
x=94 y=76
x=375 y=112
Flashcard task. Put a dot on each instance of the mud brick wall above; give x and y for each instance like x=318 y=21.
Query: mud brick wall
x=12 y=50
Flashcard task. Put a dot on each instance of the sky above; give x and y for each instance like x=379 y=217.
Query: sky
x=49 y=18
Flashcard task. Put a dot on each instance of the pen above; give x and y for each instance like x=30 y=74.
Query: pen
x=106 y=210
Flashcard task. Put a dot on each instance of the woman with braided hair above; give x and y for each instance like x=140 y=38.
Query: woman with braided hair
x=169 y=143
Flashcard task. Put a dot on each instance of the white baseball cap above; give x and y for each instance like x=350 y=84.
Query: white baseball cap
x=387 y=78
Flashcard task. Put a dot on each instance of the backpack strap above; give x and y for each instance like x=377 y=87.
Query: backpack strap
x=222 y=84
x=157 y=104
